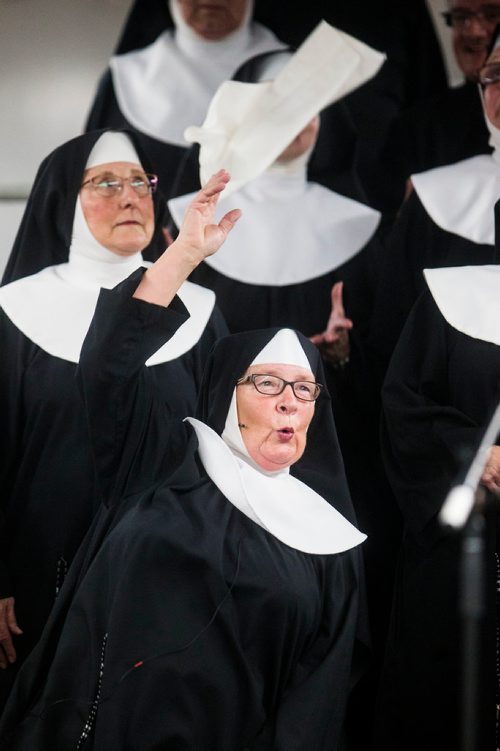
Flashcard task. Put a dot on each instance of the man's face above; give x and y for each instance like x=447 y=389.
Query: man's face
x=473 y=24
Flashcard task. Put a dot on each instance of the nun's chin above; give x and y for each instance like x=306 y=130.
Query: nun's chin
x=276 y=456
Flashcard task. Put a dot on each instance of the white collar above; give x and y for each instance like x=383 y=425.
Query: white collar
x=469 y=299
x=291 y=230
x=460 y=198
x=167 y=86
x=54 y=307
x=278 y=502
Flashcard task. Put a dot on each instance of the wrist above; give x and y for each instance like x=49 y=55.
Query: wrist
x=187 y=256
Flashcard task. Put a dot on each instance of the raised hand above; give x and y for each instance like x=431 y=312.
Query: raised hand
x=198 y=238
x=197 y=233
x=333 y=342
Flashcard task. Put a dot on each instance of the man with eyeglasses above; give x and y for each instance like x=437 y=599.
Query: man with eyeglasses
x=448 y=127
x=472 y=23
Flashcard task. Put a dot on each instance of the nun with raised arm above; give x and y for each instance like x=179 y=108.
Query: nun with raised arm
x=441 y=390
x=92 y=211
x=216 y=603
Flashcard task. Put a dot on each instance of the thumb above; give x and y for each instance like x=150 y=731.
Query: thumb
x=228 y=221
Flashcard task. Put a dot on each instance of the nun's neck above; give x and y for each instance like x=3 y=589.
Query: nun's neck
x=282 y=180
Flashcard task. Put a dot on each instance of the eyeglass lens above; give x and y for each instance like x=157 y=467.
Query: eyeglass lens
x=489 y=74
x=273 y=385
x=111 y=185
x=458 y=17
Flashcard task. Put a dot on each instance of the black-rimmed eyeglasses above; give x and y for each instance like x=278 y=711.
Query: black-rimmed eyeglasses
x=112 y=185
x=272 y=385
x=488 y=15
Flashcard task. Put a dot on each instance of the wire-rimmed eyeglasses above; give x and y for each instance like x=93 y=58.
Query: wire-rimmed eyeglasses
x=489 y=74
x=111 y=185
x=488 y=15
x=272 y=385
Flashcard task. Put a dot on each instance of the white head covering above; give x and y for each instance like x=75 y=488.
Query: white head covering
x=112 y=147
x=85 y=252
x=276 y=501
x=168 y=85
x=444 y=36
x=469 y=299
x=54 y=307
x=249 y=124
x=285 y=348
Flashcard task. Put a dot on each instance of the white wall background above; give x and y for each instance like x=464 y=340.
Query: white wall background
x=52 y=53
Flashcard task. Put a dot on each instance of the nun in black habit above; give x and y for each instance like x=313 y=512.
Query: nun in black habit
x=449 y=220
x=216 y=602
x=449 y=126
x=299 y=247
x=441 y=389
x=278 y=267
x=168 y=64
x=72 y=241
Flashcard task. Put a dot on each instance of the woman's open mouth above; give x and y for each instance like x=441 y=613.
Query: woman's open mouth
x=285 y=434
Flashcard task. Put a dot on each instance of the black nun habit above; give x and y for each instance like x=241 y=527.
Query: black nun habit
x=49 y=492
x=297 y=237
x=295 y=240
x=449 y=220
x=163 y=75
x=158 y=96
x=185 y=623
x=441 y=389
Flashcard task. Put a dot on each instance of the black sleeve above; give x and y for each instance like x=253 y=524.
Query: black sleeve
x=130 y=426
x=214 y=330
